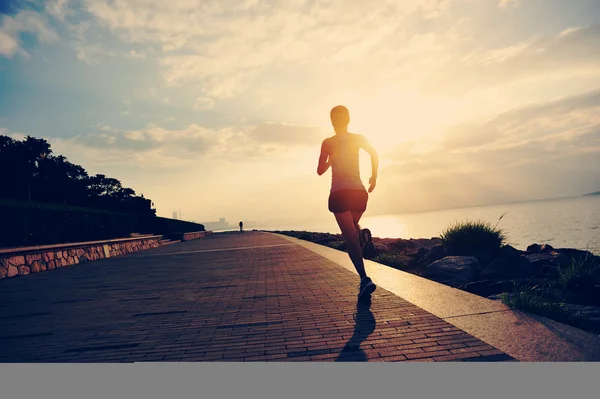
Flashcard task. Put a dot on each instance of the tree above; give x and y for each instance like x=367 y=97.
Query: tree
x=29 y=171
x=19 y=161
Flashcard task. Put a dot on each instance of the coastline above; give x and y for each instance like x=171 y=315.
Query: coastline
x=542 y=280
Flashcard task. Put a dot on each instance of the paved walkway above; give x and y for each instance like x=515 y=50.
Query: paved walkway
x=229 y=297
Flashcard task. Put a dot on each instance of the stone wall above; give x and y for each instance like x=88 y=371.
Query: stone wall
x=24 y=261
x=195 y=235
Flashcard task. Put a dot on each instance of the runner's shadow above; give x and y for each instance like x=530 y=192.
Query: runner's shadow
x=364 y=326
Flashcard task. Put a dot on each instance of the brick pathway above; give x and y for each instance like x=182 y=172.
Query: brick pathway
x=229 y=297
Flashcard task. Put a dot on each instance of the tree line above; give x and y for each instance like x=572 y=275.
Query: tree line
x=29 y=171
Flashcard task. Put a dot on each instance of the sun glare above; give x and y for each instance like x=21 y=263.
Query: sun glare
x=393 y=118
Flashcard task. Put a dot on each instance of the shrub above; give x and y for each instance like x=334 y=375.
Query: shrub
x=580 y=274
x=339 y=245
x=473 y=238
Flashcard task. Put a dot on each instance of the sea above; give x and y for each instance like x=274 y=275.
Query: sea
x=562 y=223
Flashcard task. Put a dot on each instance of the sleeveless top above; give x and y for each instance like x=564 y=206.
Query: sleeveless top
x=345 y=173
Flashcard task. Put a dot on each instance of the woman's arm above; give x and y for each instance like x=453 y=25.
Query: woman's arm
x=324 y=161
x=374 y=162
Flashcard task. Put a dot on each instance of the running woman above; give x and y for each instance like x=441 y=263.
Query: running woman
x=348 y=196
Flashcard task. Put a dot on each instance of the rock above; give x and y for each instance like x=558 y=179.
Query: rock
x=452 y=270
x=51 y=265
x=12 y=271
x=381 y=246
x=436 y=252
x=509 y=266
x=29 y=259
x=509 y=251
x=16 y=261
x=546 y=263
x=64 y=262
x=571 y=254
x=3 y=272
x=46 y=257
x=583 y=285
x=534 y=248
x=553 y=258
x=546 y=248
x=36 y=267
x=23 y=270
x=416 y=253
x=487 y=288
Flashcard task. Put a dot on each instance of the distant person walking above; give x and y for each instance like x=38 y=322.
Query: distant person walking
x=241 y=226
x=348 y=196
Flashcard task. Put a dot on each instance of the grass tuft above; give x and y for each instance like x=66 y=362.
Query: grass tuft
x=472 y=238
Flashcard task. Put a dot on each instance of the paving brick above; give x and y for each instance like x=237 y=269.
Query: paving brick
x=427 y=354
x=245 y=303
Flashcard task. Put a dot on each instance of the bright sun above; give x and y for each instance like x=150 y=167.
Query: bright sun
x=389 y=117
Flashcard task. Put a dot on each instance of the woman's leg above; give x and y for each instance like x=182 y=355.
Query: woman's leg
x=356 y=217
x=347 y=224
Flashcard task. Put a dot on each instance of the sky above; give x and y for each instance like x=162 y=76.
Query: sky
x=218 y=108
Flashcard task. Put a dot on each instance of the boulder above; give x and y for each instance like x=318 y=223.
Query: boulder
x=415 y=253
x=486 y=288
x=509 y=251
x=571 y=254
x=3 y=272
x=584 y=289
x=546 y=248
x=24 y=270
x=436 y=252
x=507 y=267
x=534 y=248
x=452 y=270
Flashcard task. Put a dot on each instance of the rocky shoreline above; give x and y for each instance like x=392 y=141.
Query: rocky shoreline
x=559 y=283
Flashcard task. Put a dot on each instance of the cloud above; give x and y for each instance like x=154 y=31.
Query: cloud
x=59 y=9
x=568 y=53
x=25 y=21
x=535 y=151
x=9 y=46
x=279 y=133
x=508 y=3
x=226 y=48
x=138 y=55
x=179 y=146
x=104 y=128
x=526 y=122
x=203 y=103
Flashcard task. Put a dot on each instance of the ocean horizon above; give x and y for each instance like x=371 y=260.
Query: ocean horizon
x=572 y=222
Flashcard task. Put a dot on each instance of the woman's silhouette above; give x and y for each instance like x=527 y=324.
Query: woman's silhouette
x=348 y=196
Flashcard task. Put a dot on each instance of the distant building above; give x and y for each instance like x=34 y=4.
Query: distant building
x=221 y=224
